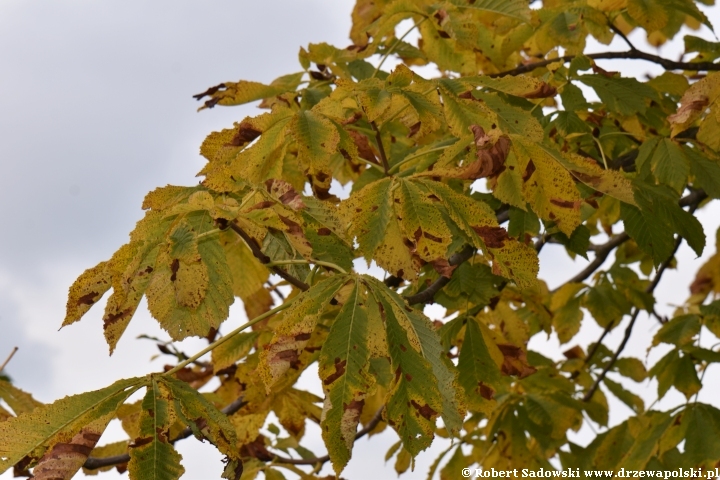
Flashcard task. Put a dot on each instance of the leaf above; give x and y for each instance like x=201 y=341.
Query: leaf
x=702 y=440
x=651 y=14
x=344 y=371
x=31 y=433
x=295 y=328
x=679 y=331
x=86 y=291
x=626 y=96
x=152 y=455
x=64 y=459
x=628 y=398
x=424 y=386
x=547 y=186
x=694 y=102
x=510 y=8
x=479 y=367
x=19 y=401
x=631 y=367
x=317 y=140
x=234 y=349
x=237 y=93
x=517 y=85
x=205 y=420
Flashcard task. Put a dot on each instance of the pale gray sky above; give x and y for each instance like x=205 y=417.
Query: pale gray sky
x=95 y=111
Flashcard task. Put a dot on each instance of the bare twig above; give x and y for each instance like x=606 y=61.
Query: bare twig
x=7 y=360
x=258 y=253
x=622 y=35
x=325 y=458
x=629 y=55
x=93 y=463
x=601 y=254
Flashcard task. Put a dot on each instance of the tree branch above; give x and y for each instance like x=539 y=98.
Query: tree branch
x=93 y=463
x=258 y=253
x=320 y=460
x=601 y=254
x=427 y=295
x=628 y=55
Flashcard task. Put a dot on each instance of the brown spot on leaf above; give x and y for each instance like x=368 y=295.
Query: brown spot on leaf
x=245 y=134
x=339 y=371
x=687 y=109
x=432 y=237
x=543 y=91
x=425 y=410
x=365 y=151
x=261 y=205
x=414 y=129
x=529 y=170
x=564 y=203
x=174 y=267
x=490 y=157
x=324 y=231
x=87 y=299
x=486 y=391
x=408 y=377
x=494 y=237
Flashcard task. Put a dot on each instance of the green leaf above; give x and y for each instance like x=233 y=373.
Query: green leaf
x=705 y=170
x=205 y=420
x=631 y=367
x=702 y=440
x=626 y=96
x=511 y=8
x=30 y=434
x=424 y=386
x=153 y=457
x=233 y=350
x=479 y=367
x=344 y=371
x=628 y=398
x=679 y=331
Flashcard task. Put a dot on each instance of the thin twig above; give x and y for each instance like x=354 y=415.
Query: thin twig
x=629 y=55
x=258 y=253
x=601 y=254
x=7 y=360
x=93 y=463
x=622 y=35
x=697 y=198
x=381 y=148
x=320 y=460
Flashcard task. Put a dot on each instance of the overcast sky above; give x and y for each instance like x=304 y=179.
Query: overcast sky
x=96 y=110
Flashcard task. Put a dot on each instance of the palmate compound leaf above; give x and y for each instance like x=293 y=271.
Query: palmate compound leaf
x=152 y=456
x=32 y=433
x=424 y=385
x=402 y=223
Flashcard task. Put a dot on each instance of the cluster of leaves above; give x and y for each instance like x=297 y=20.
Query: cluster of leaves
x=435 y=167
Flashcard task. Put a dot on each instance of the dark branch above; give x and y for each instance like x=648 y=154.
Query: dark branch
x=427 y=295
x=622 y=35
x=258 y=253
x=320 y=460
x=381 y=148
x=601 y=254
x=93 y=463
x=629 y=55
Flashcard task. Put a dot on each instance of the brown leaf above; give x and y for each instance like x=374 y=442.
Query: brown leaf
x=494 y=237
x=365 y=151
x=574 y=352
x=490 y=157
x=442 y=267
x=543 y=91
x=257 y=449
x=515 y=361
x=687 y=109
